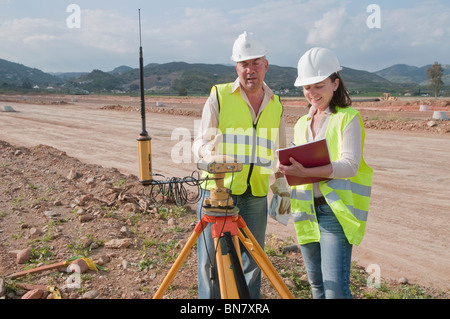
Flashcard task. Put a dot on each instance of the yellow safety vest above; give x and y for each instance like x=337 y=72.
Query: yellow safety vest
x=252 y=145
x=348 y=198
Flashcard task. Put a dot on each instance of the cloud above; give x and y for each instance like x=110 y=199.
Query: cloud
x=421 y=25
x=416 y=35
x=27 y=40
x=19 y=29
x=37 y=42
x=204 y=32
x=198 y=32
x=289 y=27
x=327 y=30
x=106 y=31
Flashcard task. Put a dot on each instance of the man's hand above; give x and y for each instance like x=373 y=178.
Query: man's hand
x=211 y=147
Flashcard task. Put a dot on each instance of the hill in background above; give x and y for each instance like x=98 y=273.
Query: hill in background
x=402 y=73
x=18 y=74
x=182 y=78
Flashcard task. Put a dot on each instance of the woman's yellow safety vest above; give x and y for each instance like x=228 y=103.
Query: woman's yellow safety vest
x=348 y=198
x=252 y=145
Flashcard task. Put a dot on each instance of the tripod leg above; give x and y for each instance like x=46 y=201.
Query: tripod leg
x=264 y=263
x=177 y=265
x=236 y=264
x=227 y=283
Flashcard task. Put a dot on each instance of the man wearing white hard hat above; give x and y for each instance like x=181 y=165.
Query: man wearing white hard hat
x=329 y=216
x=244 y=120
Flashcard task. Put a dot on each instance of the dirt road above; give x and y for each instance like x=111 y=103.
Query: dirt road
x=407 y=232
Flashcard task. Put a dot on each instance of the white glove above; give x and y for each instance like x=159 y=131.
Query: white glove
x=274 y=210
x=280 y=188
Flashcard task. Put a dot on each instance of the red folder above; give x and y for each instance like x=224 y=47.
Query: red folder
x=311 y=154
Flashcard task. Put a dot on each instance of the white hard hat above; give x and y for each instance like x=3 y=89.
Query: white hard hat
x=316 y=65
x=247 y=47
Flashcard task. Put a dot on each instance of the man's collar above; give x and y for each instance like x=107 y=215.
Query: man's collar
x=266 y=88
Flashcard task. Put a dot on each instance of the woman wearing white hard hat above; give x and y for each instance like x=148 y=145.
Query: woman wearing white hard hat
x=329 y=216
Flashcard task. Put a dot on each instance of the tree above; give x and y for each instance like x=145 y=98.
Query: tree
x=26 y=84
x=434 y=73
x=182 y=91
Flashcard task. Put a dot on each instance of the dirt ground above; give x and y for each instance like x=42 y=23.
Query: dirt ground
x=407 y=231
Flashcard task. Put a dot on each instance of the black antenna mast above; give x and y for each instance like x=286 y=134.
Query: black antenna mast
x=141 y=70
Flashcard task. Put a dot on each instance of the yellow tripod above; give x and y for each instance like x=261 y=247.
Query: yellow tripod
x=224 y=224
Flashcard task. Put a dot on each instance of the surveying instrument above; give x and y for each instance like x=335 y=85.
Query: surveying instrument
x=226 y=223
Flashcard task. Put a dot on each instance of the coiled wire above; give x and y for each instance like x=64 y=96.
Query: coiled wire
x=174 y=190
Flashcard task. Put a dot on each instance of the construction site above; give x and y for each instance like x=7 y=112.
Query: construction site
x=69 y=187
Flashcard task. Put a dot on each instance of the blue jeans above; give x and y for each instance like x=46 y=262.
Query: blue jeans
x=328 y=262
x=254 y=212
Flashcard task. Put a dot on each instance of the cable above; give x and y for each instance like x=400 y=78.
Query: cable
x=174 y=190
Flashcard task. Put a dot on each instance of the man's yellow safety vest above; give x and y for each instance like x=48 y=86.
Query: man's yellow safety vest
x=252 y=145
x=348 y=198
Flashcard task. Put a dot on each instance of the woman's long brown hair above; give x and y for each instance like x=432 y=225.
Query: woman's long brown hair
x=341 y=97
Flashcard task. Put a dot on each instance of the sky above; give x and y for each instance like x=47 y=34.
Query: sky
x=80 y=36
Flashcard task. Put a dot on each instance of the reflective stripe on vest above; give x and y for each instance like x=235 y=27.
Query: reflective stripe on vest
x=238 y=144
x=252 y=145
x=348 y=198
